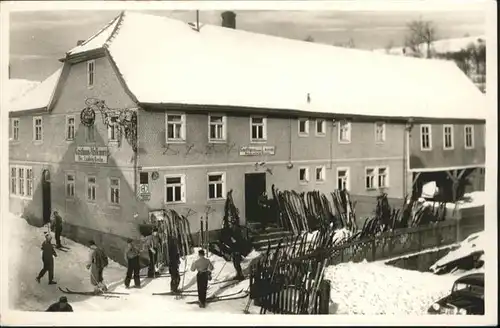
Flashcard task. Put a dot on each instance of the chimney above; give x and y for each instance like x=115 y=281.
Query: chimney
x=79 y=42
x=229 y=19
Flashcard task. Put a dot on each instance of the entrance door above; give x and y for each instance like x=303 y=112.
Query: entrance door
x=255 y=185
x=46 y=201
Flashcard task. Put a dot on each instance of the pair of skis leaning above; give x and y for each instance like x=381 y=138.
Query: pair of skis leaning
x=106 y=294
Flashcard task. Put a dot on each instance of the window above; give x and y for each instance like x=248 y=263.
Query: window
x=13 y=181
x=216 y=186
x=90 y=133
x=370 y=178
x=303 y=127
x=91 y=188
x=425 y=137
x=342 y=178
x=344 y=132
x=90 y=73
x=175 y=189
x=70 y=185
x=217 y=128
x=176 y=127
x=303 y=175
x=29 y=182
x=113 y=132
x=70 y=128
x=383 y=177
x=469 y=136
x=320 y=174
x=447 y=137
x=15 y=129
x=21 y=181
x=114 y=189
x=258 y=128
x=37 y=129
x=320 y=127
x=144 y=178
x=379 y=132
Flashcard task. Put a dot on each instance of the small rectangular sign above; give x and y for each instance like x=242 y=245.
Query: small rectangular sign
x=91 y=154
x=257 y=150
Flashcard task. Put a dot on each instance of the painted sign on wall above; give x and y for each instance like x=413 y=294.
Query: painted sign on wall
x=144 y=192
x=257 y=150
x=91 y=154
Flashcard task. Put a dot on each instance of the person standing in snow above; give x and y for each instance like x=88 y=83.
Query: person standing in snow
x=61 y=306
x=263 y=203
x=204 y=268
x=133 y=265
x=96 y=263
x=153 y=245
x=57 y=226
x=48 y=254
x=174 y=260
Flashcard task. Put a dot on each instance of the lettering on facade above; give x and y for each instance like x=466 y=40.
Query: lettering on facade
x=257 y=150
x=144 y=192
x=91 y=154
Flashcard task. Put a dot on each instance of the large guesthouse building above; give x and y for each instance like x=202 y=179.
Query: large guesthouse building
x=153 y=113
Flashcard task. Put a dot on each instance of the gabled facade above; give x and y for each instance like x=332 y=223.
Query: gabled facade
x=188 y=154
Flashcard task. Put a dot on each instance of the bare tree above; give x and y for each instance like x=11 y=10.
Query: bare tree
x=420 y=33
x=389 y=46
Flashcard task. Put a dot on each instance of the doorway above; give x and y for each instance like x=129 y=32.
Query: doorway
x=46 y=200
x=255 y=185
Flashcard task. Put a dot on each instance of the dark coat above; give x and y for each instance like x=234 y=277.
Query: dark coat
x=58 y=222
x=60 y=307
x=48 y=251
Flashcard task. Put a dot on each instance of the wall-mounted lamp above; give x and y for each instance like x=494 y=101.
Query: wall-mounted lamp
x=289 y=166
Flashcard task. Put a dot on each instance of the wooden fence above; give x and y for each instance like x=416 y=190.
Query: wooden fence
x=284 y=287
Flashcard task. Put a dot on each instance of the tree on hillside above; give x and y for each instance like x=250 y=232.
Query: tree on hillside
x=309 y=39
x=349 y=44
x=420 y=33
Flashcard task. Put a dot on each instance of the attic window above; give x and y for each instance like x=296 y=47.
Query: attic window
x=90 y=73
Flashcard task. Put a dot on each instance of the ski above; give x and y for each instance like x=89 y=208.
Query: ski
x=185 y=293
x=105 y=294
x=224 y=281
x=161 y=275
x=228 y=297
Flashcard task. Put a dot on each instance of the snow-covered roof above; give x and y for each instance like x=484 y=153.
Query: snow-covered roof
x=37 y=97
x=97 y=40
x=165 y=61
x=18 y=87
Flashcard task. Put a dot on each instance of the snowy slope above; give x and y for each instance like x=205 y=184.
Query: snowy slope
x=375 y=288
x=26 y=294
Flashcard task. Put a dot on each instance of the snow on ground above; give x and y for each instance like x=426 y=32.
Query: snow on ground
x=473 y=199
x=472 y=244
x=26 y=294
x=375 y=288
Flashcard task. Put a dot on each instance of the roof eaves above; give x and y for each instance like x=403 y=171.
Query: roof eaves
x=53 y=97
x=23 y=112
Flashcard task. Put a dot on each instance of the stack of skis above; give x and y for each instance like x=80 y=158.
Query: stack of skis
x=231 y=239
x=311 y=211
x=412 y=214
x=287 y=279
x=170 y=224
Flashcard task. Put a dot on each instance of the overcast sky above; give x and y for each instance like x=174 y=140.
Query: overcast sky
x=39 y=39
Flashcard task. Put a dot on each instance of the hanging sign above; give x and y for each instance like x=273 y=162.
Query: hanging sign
x=91 y=154
x=257 y=150
x=144 y=192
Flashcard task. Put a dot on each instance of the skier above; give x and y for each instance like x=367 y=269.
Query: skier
x=236 y=253
x=153 y=245
x=133 y=265
x=48 y=254
x=97 y=262
x=263 y=202
x=57 y=226
x=61 y=306
x=173 y=264
x=204 y=268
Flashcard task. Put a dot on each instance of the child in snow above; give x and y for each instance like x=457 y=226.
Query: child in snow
x=61 y=306
x=133 y=264
x=48 y=254
x=96 y=263
x=204 y=268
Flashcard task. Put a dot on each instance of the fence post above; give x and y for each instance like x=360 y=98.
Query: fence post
x=419 y=240
x=324 y=297
x=374 y=249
